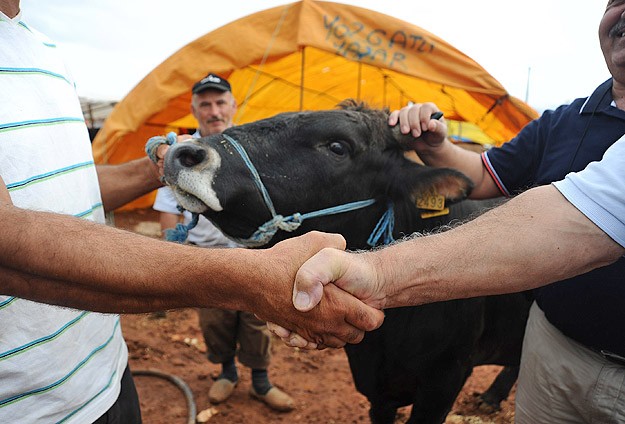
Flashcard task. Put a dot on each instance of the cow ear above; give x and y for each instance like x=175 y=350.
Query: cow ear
x=449 y=183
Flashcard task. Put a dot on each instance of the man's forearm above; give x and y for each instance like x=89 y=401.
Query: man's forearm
x=120 y=184
x=84 y=297
x=97 y=258
x=534 y=239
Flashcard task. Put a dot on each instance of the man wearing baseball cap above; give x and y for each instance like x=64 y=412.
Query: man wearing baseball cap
x=213 y=105
x=227 y=333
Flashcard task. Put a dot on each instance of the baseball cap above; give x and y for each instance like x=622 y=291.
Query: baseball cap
x=211 y=81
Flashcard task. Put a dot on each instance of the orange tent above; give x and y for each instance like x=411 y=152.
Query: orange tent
x=310 y=55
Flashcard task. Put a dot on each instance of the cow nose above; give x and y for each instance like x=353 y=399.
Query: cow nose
x=189 y=155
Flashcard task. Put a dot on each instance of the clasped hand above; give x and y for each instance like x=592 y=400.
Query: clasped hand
x=354 y=273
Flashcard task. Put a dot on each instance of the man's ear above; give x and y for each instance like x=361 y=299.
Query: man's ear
x=192 y=109
x=234 y=102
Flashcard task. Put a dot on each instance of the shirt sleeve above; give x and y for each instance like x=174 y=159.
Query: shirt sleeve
x=598 y=191
x=166 y=201
x=513 y=166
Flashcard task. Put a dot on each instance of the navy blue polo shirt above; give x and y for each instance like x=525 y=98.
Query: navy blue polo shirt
x=589 y=308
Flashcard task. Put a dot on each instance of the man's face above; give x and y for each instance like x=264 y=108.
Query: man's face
x=213 y=110
x=611 y=31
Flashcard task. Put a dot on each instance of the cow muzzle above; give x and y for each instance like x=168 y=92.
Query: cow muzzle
x=190 y=169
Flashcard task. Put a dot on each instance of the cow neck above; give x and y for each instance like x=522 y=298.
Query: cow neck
x=290 y=223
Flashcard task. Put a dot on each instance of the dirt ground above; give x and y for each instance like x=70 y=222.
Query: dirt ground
x=319 y=381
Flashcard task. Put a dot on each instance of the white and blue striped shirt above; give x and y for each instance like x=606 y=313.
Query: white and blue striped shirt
x=56 y=364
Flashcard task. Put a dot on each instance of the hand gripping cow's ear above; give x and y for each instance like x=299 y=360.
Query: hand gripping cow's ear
x=405 y=140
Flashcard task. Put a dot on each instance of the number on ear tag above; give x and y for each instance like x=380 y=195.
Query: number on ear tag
x=431 y=201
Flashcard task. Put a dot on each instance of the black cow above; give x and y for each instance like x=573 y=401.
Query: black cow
x=285 y=175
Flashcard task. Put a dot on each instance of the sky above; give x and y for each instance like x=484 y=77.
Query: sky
x=545 y=52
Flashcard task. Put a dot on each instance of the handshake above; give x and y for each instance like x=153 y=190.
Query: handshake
x=343 y=287
x=333 y=282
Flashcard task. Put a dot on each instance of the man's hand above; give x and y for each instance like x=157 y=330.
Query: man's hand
x=417 y=120
x=323 y=274
x=339 y=317
x=156 y=151
x=354 y=273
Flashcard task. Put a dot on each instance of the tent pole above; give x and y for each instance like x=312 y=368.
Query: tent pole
x=359 y=79
x=301 y=83
x=91 y=125
x=384 y=91
x=527 y=86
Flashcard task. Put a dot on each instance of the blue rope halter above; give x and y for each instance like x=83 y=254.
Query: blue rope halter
x=180 y=232
x=266 y=231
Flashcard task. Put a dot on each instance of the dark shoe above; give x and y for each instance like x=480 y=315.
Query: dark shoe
x=221 y=390
x=275 y=398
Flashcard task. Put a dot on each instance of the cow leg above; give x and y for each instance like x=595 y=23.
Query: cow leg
x=438 y=393
x=490 y=400
x=379 y=413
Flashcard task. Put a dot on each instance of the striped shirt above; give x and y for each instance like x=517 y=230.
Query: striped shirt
x=56 y=364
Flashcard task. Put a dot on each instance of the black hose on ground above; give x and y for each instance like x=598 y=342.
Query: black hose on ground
x=188 y=394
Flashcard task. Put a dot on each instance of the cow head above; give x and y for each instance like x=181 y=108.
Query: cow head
x=306 y=161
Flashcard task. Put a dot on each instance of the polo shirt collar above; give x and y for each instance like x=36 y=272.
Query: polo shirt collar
x=600 y=99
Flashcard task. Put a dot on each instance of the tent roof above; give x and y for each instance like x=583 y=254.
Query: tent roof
x=310 y=55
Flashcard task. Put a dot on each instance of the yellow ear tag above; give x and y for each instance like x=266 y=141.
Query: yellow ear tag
x=432 y=214
x=431 y=201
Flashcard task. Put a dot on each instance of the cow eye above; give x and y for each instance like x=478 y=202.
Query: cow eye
x=338 y=148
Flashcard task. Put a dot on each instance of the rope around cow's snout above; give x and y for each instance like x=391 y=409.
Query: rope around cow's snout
x=152 y=145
